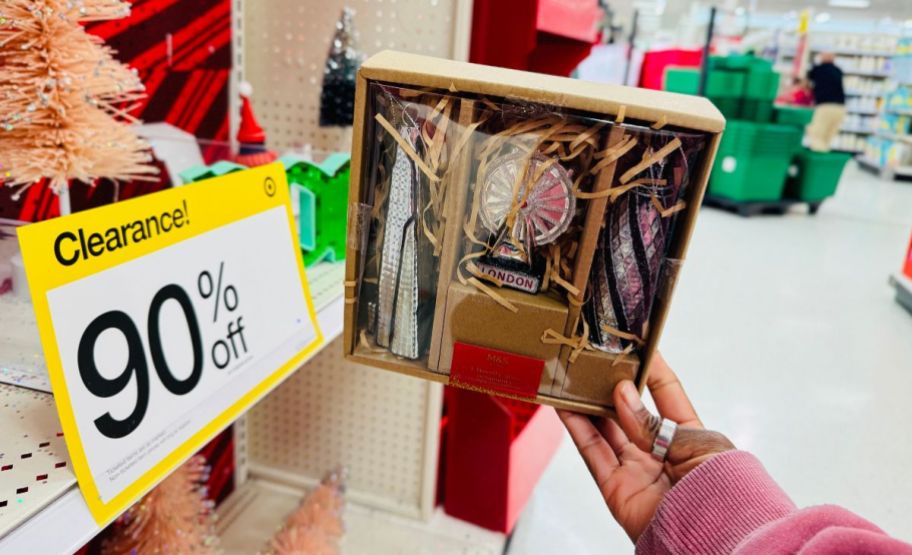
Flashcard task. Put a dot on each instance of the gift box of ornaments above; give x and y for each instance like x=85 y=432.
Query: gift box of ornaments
x=515 y=233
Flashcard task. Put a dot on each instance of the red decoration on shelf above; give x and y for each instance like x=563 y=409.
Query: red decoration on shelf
x=907 y=267
x=252 y=138
x=547 y=36
x=652 y=72
x=497 y=449
x=182 y=50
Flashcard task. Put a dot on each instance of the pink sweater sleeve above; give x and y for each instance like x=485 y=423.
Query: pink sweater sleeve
x=729 y=504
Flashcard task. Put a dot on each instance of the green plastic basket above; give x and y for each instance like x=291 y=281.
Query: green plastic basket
x=729 y=106
x=757 y=110
x=719 y=83
x=761 y=84
x=725 y=84
x=793 y=115
x=813 y=176
x=682 y=80
x=753 y=161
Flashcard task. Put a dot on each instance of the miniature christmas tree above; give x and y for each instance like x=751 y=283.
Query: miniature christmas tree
x=316 y=527
x=64 y=100
x=337 y=100
x=175 y=517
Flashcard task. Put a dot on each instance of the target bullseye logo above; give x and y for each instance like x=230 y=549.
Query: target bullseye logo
x=269 y=186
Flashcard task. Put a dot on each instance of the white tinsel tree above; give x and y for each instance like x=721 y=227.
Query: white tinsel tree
x=64 y=100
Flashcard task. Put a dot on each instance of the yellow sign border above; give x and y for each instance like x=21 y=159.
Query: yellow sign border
x=217 y=202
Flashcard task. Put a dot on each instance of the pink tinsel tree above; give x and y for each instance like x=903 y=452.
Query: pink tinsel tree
x=316 y=527
x=175 y=517
x=64 y=100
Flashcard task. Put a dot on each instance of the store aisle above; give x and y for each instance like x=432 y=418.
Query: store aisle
x=785 y=334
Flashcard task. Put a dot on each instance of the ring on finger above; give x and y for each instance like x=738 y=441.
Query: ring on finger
x=663 y=439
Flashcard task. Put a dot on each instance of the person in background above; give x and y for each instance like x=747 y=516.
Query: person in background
x=829 y=98
x=676 y=487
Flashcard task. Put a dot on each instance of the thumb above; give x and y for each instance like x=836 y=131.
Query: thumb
x=640 y=425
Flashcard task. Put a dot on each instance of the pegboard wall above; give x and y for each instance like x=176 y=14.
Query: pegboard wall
x=381 y=427
x=285 y=44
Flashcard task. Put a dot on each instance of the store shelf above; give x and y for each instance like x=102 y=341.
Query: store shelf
x=903 y=286
x=850 y=92
x=847 y=150
x=253 y=513
x=66 y=524
x=897 y=172
x=860 y=73
x=854 y=52
x=862 y=112
x=899 y=111
x=895 y=137
x=857 y=130
x=867 y=163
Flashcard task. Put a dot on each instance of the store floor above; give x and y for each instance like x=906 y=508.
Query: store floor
x=786 y=336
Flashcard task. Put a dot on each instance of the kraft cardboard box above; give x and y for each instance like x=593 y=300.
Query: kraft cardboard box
x=516 y=233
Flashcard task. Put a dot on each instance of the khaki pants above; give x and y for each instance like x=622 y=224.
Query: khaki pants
x=825 y=126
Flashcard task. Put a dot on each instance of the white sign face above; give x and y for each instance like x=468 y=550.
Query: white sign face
x=162 y=319
x=221 y=318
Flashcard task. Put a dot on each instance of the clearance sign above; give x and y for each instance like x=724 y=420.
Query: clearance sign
x=162 y=319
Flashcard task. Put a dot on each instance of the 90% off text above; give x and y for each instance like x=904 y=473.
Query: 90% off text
x=229 y=346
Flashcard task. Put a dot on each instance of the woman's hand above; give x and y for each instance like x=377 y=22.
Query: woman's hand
x=619 y=456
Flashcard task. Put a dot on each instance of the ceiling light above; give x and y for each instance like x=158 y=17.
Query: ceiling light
x=822 y=17
x=857 y=4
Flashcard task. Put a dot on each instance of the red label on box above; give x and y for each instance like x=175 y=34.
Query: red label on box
x=495 y=370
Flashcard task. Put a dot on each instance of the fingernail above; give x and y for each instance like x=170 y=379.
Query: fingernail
x=631 y=396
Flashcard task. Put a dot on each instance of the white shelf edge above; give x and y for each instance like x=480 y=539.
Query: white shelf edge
x=903 y=286
x=66 y=525
x=900 y=280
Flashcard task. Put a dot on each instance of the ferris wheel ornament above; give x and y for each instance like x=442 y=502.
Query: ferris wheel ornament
x=545 y=210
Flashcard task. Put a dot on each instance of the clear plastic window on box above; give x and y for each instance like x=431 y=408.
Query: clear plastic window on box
x=515 y=227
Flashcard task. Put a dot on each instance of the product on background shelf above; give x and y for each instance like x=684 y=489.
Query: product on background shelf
x=199 y=173
x=907 y=263
x=175 y=517
x=63 y=97
x=322 y=198
x=545 y=36
x=493 y=208
x=252 y=148
x=316 y=527
x=337 y=100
